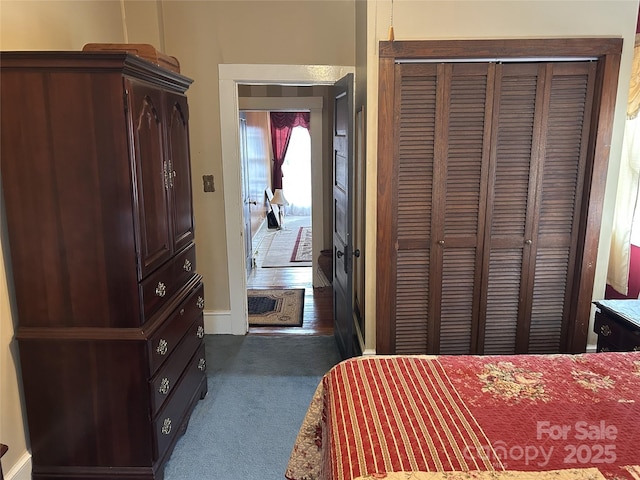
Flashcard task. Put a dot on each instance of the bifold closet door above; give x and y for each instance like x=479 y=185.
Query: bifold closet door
x=442 y=151
x=537 y=176
x=489 y=166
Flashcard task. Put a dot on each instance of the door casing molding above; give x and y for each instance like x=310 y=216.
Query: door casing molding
x=230 y=76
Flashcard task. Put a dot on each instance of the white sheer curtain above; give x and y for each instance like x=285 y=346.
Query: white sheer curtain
x=626 y=230
x=296 y=173
x=626 y=204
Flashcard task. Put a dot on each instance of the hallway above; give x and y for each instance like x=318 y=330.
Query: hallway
x=318 y=302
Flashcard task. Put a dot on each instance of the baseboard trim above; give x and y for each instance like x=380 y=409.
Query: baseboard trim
x=220 y=323
x=21 y=470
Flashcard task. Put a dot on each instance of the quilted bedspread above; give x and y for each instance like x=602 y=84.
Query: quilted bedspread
x=474 y=417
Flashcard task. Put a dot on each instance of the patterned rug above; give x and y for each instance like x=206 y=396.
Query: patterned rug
x=302 y=248
x=275 y=307
x=281 y=249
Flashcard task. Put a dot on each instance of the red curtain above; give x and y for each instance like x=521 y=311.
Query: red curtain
x=282 y=123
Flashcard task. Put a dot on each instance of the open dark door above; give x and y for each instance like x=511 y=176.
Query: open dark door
x=343 y=217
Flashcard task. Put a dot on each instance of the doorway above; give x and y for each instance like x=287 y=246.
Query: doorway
x=282 y=256
x=230 y=76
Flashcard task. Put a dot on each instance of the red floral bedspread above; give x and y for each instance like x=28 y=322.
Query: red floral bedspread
x=521 y=414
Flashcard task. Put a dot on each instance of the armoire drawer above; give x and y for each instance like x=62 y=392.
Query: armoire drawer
x=165 y=380
x=167 y=338
x=162 y=284
x=168 y=422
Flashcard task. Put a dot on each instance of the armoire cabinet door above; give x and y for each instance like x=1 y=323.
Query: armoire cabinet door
x=151 y=176
x=177 y=114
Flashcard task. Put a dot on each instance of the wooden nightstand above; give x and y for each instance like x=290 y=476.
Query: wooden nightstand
x=617 y=324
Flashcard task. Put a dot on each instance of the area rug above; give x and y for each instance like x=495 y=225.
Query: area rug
x=302 y=248
x=275 y=307
x=281 y=248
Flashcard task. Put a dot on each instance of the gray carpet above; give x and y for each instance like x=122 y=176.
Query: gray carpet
x=259 y=390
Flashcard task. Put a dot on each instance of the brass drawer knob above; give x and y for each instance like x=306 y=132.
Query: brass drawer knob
x=163 y=347
x=200 y=332
x=161 y=289
x=200 y=302
x=605 y=330
x=166 y=426
x=164 y=386
x=187 y=265
x=202 y=364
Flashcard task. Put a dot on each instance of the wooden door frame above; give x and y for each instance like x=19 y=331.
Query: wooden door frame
x=608 y=53
x=235 y=321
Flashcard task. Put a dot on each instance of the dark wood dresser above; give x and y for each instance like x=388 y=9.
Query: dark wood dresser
x=97 y=190
x=617 y=324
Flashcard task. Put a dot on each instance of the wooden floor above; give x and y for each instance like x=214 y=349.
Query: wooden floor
x=318 y=302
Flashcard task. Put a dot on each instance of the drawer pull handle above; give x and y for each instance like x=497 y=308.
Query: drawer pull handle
x=200 y=332
x=181 y=311
x=164 y=386
x=187 y=265
x=163 y=346
x=202 y=364
x=161 y=289
x=605 y=330
x=200 y=302
x=166 y=426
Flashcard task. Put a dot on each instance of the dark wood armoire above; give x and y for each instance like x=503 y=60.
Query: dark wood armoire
x=97 y=190
x=492 y=161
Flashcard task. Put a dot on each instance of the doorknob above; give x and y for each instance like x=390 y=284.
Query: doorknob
x=356 y=253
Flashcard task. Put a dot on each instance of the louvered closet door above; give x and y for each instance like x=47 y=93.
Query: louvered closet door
x=416 y=102
x=462 y=150
x=511 y=203
x=490 y=164
x=442 y=149
x=536 y=173
x=564 y=138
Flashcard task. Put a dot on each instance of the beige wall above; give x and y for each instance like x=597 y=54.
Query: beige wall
x=235 y=32
x=473 y=19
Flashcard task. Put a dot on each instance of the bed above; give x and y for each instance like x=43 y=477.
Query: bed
x=474 y=417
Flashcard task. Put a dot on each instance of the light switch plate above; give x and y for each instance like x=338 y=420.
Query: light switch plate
x=207 y=180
